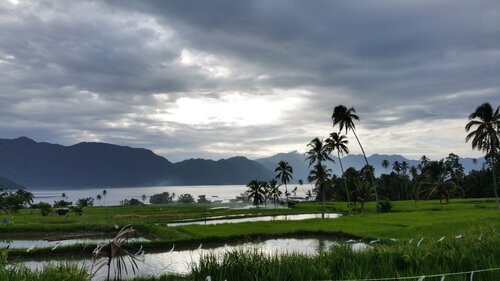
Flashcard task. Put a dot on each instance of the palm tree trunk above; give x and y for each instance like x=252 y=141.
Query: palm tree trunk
x=345 y=184
x=495 y=183
x=322 y=186
x=366 y=160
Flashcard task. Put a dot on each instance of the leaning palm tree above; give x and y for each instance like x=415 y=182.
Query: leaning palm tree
x=339 y=143
x=485 y=137
x=256 y=191
x=318 y=152
x=320 y=174
x=345 y=117
x=285 y=172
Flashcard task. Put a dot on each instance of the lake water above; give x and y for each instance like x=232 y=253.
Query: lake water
x=180 y=261
x=222 y=193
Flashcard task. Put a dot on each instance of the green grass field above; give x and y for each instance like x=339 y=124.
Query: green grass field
x=408 y=220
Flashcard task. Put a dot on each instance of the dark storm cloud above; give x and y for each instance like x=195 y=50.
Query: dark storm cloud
x=105 y=70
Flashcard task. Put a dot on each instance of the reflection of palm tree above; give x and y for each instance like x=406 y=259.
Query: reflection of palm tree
x=256 y=191
x=339 y=143
x=321 y=175
x=285 y=172
x=485 y=137
x=345 y=117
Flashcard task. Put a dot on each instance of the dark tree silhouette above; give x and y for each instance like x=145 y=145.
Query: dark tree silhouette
x=485 y=126
x=339 y=143
x=285 y=172
x=344 y=118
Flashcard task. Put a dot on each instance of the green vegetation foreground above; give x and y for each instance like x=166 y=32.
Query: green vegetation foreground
x=409 y=220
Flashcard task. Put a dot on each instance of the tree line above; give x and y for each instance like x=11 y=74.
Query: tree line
x=442 y=179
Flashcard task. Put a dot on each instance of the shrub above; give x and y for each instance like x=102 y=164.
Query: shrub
x=161 y=198
x=85 y=202
x=131 y=202
x=385 y=206
x=45 y=208
x=186 y=198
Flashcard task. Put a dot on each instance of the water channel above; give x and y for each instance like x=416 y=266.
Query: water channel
x=180 y=261
x=219 y=220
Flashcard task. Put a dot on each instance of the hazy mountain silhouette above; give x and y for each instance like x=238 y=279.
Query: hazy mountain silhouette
x=301 y=170
x=88 y=164
x=6 y=184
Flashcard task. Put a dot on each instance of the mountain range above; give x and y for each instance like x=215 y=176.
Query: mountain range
x=26 y=162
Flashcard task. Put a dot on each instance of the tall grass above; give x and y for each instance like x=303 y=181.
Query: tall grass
x=341 y=262
x=64 y=272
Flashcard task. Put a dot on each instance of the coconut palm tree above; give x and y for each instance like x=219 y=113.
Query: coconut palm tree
x=339 y=143
x=485 y=124
x=256 y=191
x=98 y=197
x=321 y=175
x=274 y=191
x=285 y=172
x=345 y=117
x=385 y=164
x=438 y=181
x=318 y=152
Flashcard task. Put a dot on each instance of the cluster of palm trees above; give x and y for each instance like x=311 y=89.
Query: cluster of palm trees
x=13 y=201
x=319 y=152
x=430 y=179
x=262 y=191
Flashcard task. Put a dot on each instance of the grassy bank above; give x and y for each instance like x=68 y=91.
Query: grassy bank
x=476 y=250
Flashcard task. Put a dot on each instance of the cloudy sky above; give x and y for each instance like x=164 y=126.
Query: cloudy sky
x=214 y=79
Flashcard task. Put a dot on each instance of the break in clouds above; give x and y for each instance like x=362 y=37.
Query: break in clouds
x=216 y=79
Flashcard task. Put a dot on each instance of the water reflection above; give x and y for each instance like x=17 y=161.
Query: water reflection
x=180 y=261
x=40 y=243
x=211 y=220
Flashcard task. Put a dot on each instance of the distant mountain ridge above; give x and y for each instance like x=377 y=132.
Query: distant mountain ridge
x=28 y=163
x=301 y=169
x=88 y=164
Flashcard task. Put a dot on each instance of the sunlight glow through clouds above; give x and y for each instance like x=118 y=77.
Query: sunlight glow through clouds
x=209 y=63
x=230 y=109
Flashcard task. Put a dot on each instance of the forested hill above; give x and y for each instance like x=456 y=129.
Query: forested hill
x=87 y=164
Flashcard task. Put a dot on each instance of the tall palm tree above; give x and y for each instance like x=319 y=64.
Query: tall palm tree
x=98 y=197
x=486 y=135
x=339 y=143
x=285 y=172
x=256 y=191
x=104 y=192
x=385 y=164
x=274 y=191
x=320 y=174
x=318 y=152
x=345 y=117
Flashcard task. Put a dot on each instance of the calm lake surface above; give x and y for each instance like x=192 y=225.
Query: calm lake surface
x=222 y=193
